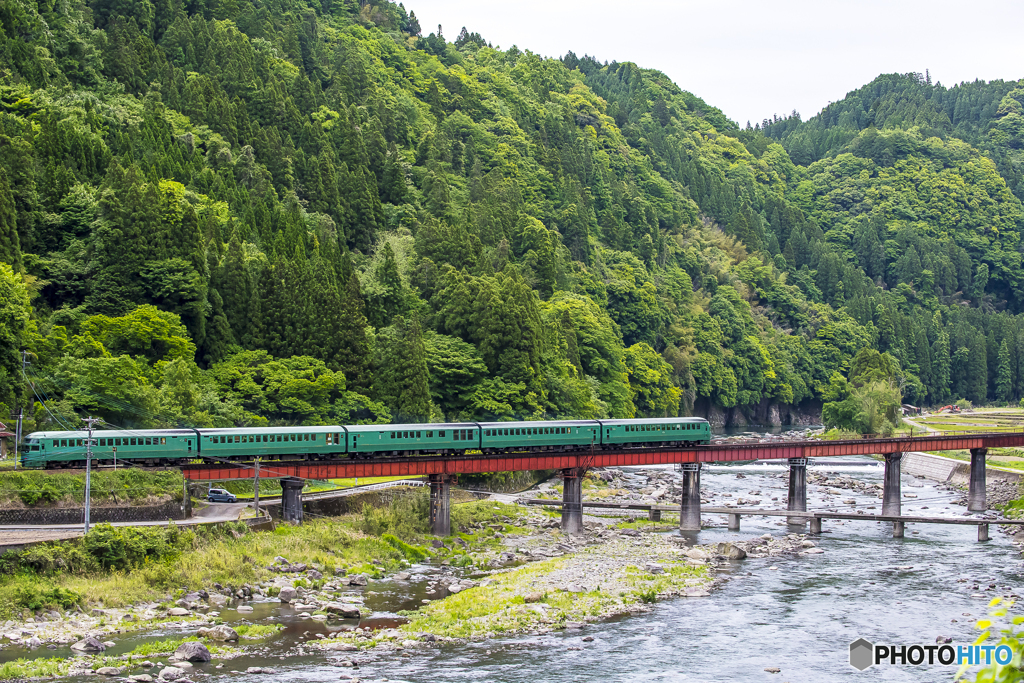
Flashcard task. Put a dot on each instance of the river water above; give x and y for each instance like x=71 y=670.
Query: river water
x=800 y=617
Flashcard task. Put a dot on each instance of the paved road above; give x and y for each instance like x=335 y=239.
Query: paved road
x=19 y=534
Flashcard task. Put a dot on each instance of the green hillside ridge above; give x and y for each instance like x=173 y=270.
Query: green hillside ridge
x=240 y=213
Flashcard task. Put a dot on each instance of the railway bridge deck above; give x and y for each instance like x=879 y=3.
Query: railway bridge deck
x=442 y=471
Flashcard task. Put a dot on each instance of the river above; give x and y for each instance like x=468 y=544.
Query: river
x=799 y=617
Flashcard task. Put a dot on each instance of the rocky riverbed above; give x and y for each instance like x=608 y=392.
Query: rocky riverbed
x=528 y=580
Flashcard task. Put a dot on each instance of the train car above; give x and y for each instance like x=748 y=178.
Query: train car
x=136 y=447
x=659 y=430
x=274 y=443
x=365 y=441
x=555 y=435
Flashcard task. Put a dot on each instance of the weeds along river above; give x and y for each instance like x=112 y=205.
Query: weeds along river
x=799 y=617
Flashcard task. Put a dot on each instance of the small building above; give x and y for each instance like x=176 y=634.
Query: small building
x=908 y=409
x=4 y=437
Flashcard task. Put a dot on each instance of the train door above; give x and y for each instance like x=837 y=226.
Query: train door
x=190 y=445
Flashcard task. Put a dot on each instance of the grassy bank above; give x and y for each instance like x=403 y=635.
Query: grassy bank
x=27 y=488
x=120 y=566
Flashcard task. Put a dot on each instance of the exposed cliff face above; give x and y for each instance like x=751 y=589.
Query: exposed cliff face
x=766 y=413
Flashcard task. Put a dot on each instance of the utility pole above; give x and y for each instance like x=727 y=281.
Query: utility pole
x=17 y=438
x=21 y=412
x=256 y=488
x=90 y=421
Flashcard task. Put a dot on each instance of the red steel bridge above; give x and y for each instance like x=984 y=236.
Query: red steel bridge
x=442 y=470
x=415 y=466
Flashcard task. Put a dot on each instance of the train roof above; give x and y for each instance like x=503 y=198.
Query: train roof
x=415 y=425
x=542 y=423
x=104 y=433
x=654 y=420
x=232 y=431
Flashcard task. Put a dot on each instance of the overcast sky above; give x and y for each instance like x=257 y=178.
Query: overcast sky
x=753 y=59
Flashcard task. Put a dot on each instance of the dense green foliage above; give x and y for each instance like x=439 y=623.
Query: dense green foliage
x=292 y=212
x=108 y=487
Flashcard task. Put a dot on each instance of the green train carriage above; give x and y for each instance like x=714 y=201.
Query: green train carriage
x=551 y=435
x=137 y=447
x=365 y=441
x=273 y=443
x=678 y=431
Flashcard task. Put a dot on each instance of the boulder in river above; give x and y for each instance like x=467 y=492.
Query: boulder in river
x=171 y=673
x=192 y=651
x=345 y=611
x=287 y=594
x=222 y=633
x=731 y=551
x=89 y=644
x=358 y=580
x=109 y=671
x=178 y=612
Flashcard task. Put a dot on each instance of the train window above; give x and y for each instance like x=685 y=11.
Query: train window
x=455 y=434
x=417 y=435
x=441 y=433
x=337 y=437
x=312 y=437
x=163 y=440
x=392 y=435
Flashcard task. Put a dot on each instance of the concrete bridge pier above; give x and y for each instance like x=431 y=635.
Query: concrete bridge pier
x=898 y=529
x=891 y=495
x=797 y=490
x=291 y=499
x=976 y=501
x=689 y=509
x=572 y=501
x=440 y=504
x=816 y=525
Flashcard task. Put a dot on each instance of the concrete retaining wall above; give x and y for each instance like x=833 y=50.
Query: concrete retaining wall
x=97 y=515
x=938 y=468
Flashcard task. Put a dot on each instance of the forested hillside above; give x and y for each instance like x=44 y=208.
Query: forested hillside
x=219 y=212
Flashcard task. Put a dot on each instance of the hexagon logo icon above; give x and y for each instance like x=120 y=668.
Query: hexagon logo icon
x=861 y=654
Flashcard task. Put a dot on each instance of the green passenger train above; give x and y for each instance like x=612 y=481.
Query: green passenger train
x=171 y=447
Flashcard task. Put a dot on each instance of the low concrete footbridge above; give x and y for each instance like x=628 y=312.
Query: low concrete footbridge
x=442 y=471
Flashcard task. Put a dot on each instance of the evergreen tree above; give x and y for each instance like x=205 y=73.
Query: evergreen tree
x=402 y=381
x=1004 y=374
x=941 y=365
x=10 y=249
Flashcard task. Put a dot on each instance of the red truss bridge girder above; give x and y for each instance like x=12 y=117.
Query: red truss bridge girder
x=416 y=466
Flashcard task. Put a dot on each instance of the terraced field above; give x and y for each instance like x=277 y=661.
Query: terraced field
x=993 y=420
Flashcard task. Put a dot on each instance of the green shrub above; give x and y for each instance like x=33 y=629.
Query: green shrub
x=411 y=552
x=29 y=595
x=406 y=515
x=462 y=561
